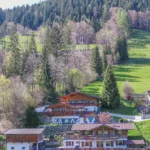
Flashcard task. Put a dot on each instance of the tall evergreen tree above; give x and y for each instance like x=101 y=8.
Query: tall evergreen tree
x=105 y=16
x=31 y=119
x=122 y=48
x=15 y=55
x=96 y=61
x=56 y=41
x=104 y=61
x=32 y=45
x=110 y=94
x=46 y=80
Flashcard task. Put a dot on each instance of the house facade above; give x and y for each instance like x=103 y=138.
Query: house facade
x=107 y=136
x=74 y=108
x=24 y=139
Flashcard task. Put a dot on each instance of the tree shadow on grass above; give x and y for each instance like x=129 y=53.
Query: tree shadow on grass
x=124 y=68
x=139 y=39
x=125 y=77
x=139 y=61
x=125 y=108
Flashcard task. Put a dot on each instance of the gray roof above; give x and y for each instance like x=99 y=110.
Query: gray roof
x=25 y=131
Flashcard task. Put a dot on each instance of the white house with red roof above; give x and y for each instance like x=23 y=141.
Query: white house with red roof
x=72 y=108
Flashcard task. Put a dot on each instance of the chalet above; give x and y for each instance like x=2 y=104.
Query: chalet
x=99 y=136
x=74 y=108
x=24 y=139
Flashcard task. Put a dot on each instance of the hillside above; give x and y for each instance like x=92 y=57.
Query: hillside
x=136 y=70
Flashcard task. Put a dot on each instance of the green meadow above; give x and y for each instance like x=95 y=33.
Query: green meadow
x=144 y=129
x=136 y=71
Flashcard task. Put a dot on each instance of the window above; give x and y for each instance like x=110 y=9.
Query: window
x=12 y=148
x=86 y=132
x=69 y=143
x=99 y=132
x=23 y=148
x=87 y=144
x=120 y=143
x=112 y=132
x=105 y=132
x=109 y=143
x=120 y=132
x=99 y=143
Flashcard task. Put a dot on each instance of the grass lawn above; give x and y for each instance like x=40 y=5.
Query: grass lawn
x=136 y=70
x=144 y=129
x=134 y=135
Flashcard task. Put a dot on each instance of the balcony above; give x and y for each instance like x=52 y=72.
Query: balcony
x=94 y=137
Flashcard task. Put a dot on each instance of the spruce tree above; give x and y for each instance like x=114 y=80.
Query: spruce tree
x=46 y=80
x=31 y=119
x=96 y=61
x=104 y=62
x=110 y=94
x=15 y=55
x=56 y=41
x=122 y=49
x=32 y=45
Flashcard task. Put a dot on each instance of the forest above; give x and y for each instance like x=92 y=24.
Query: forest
x=53 y=11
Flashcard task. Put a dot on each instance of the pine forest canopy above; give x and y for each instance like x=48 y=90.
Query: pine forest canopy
x=52 y=11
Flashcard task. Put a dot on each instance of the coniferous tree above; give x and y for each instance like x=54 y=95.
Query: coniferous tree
x=46 y=80
x=31 y=119
x=105 y=16
x=32 y=45
x=110 y=94
x=15 y=55
x=56 y=41
x=96 y=61
x=122 y=49
x=104 y=62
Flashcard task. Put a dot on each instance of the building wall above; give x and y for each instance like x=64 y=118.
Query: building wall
x=19 y=146
x=93 y=143
x=22 y=138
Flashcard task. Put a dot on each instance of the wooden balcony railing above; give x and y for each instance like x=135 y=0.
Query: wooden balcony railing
x=94 y=137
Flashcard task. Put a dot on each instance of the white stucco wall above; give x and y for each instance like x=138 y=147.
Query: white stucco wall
x=91 y=108
x=18 y=146
x=94 y=144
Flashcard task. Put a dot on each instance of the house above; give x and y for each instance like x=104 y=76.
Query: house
x=24 y=139
x=102 y=136
x=72 y=108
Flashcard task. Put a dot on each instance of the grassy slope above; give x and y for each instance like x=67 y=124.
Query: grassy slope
x=136 y=71
x=144 y=129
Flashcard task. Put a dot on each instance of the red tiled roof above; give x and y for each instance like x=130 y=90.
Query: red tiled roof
x=74 y=93
x=117 y=126
x=121 y=126
x=25 y=131
x=135 y=142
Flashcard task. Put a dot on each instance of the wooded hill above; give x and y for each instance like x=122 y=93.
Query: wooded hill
x=60 y=11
